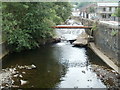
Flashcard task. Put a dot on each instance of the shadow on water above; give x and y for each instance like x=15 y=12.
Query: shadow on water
x=94 y=59
x=47 y=73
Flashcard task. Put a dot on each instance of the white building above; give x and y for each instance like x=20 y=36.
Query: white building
x=105 y=10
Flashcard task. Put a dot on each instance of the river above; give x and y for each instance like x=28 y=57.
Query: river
x=59 y=65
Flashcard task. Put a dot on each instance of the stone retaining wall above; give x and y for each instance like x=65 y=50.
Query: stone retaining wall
x=105 y=38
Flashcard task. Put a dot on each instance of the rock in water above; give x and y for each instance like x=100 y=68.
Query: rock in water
x=82 y=40
x=23 y=82
x=33 y=66
x=15 y=75
x=83 y=71
x=24 y=72
x=20 y=76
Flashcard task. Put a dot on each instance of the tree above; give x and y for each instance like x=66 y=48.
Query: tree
x=26 y=23
x=91 y=10
x=82 y=4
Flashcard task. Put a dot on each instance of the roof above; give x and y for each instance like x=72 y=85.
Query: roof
x=108 y=4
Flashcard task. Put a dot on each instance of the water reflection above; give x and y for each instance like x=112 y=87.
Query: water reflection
x=79 y=73
x=77 y=77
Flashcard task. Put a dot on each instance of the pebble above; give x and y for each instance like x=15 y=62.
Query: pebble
x=23 y=72
x=20 y=76
x=12 y=81
x=15 y=75
x=113 y=71
x=10 y=70
x=14 y=69
x=33 y=66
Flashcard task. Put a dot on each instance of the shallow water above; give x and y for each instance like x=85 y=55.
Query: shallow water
x=56 y=66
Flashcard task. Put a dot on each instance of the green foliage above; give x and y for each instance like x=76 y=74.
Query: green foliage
x=117 y=13
x=62 y=9
x=94 y=27
x=91 y=10
x=114 y=32
x=113 y=14
x=82 y=4
x=25 y=23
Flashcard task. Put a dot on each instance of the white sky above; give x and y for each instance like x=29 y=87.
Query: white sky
x=58 y=0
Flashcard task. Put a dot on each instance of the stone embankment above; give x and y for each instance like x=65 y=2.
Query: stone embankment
x=106 y=36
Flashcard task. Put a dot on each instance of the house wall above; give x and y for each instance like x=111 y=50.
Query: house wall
x=100 y=12
x=100 y=9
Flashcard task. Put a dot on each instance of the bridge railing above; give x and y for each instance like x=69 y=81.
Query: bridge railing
x=79 y=27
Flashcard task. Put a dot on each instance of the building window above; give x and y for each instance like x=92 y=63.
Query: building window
x=104 y=9
x=115 y=8
x=104 y=16
x=109 y=15
x=110 y=8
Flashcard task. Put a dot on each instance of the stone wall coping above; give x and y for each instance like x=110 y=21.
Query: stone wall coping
x=110 y=24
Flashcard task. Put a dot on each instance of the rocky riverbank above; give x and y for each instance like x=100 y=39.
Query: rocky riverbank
x=13 y=77
x=110 y=77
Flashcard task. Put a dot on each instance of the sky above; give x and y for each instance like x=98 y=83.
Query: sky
x=59 y=0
